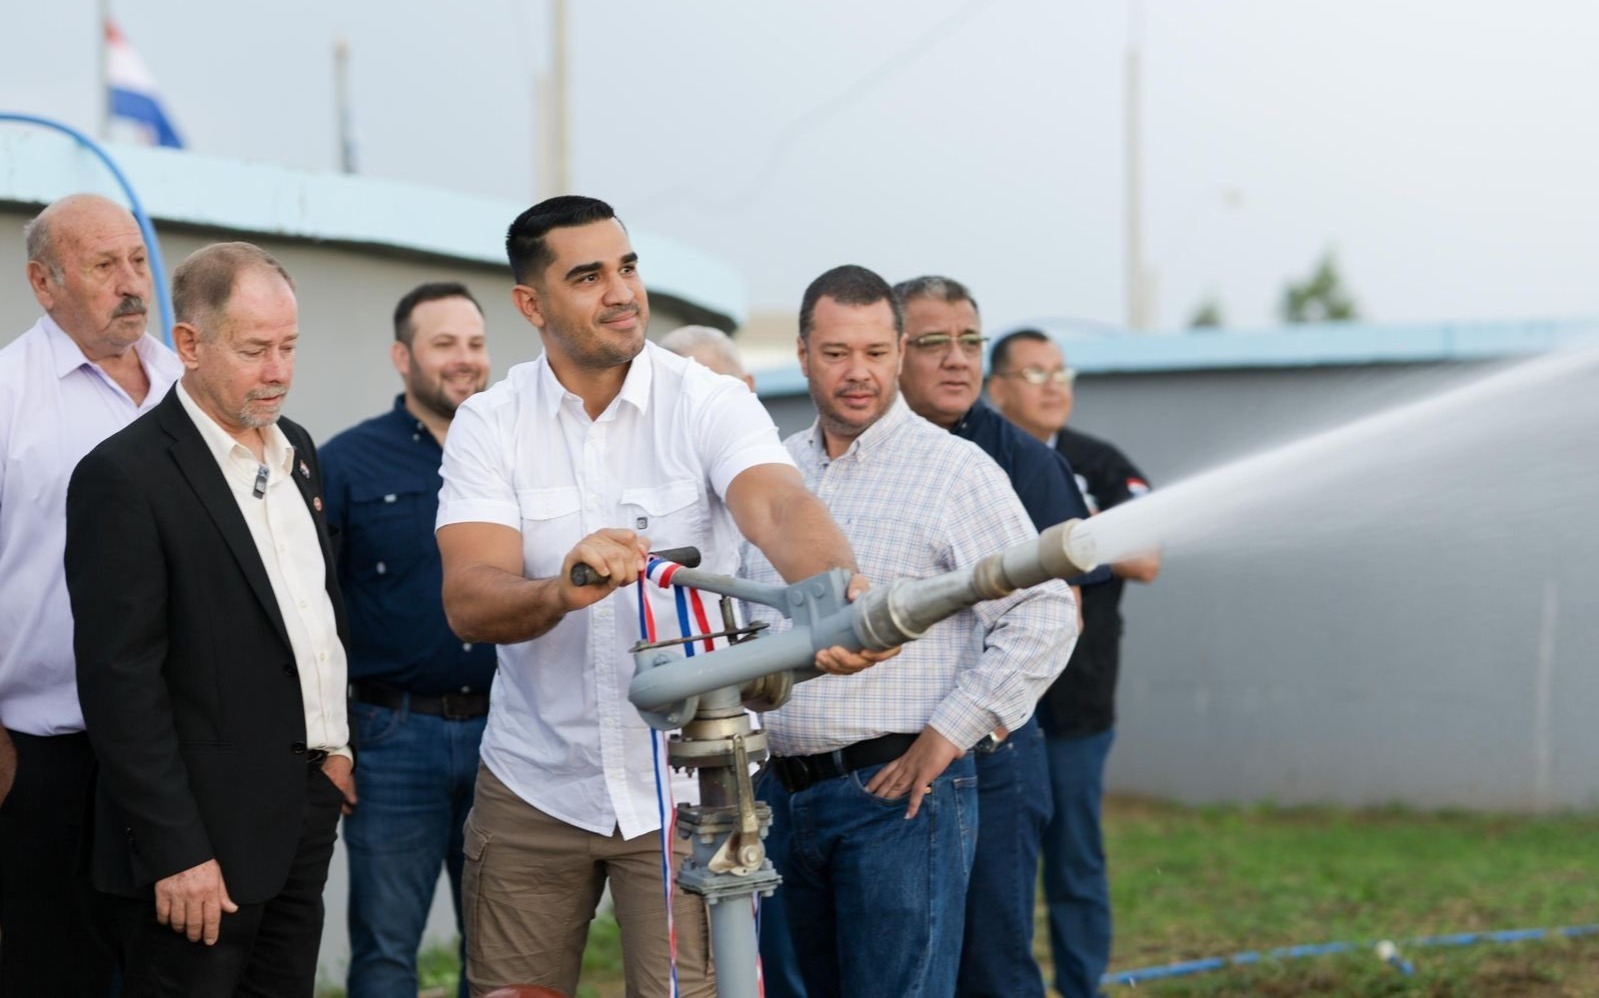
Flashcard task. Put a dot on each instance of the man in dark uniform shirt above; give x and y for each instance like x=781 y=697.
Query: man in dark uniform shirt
x=419 y=694
x=1032 y=386
x=941 y=381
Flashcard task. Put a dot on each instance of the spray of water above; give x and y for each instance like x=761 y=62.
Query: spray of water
x=1477 y=461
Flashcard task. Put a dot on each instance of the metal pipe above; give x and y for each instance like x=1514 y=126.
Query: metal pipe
x=733 y=943
x=884 y=617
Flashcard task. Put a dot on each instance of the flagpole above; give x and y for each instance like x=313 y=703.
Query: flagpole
x=103 y=10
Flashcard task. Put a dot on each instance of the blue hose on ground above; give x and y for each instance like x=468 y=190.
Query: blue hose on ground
x=1387 y=951
x=158 y=270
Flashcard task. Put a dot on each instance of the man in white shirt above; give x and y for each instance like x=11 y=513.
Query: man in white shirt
x=603 y=448
x=85 y=370
x=211 y=657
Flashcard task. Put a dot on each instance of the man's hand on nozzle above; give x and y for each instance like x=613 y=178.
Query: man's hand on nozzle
x=616 y=555
x=840 y=661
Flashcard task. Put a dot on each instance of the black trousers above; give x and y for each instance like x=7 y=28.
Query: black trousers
x=57 y=934
x=267 y=949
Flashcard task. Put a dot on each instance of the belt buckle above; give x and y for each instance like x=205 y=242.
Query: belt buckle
x=448 y=710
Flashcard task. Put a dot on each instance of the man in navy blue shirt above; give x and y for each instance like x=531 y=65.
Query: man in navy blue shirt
x=1032 y=385
x=419 y=694
x=941 y=381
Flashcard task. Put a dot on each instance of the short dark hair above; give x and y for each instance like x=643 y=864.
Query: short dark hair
x=999 y=356
x=203 y=284
x=404 y=332
x=848 y=285
x=944 y=289
x=524 y=240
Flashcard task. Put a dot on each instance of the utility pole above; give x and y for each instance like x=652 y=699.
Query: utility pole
x=1138 y=309
x=341 y=96
x=555 y=163
x=102 y=71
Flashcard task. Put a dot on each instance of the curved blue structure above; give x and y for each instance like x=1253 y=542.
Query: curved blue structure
x=157 y=268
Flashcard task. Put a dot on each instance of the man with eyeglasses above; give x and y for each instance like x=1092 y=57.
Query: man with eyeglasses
x=941 y=380
x=1032 y=386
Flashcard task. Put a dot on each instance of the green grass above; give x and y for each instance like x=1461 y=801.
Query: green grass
x=1191 y=883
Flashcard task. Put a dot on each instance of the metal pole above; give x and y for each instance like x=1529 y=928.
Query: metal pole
x=559 y=137
x=341 y=92
x=734 y=943
x=102 y=72
x=1137 y=306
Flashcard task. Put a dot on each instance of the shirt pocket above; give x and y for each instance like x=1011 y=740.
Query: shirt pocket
x=388 y=531
x=672 y=515
x=551 y=526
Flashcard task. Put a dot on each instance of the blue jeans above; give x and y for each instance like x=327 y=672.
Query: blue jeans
x=875 y=903
x=1013 y=807
x=1075 y=887
x=414 y=778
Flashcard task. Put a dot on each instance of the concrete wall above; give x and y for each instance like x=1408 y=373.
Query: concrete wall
x=1403 y=666
x=347 y=297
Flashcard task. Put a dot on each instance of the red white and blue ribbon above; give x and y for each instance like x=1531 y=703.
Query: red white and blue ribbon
x=687 y=602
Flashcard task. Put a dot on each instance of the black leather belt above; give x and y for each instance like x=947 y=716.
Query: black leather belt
x=450 y=706
x=800 y=771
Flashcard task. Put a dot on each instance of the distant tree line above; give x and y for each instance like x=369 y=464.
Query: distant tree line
x=1319 y=297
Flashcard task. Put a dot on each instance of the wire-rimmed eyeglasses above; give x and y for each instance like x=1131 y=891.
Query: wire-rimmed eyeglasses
x=1039 y=377
x=971 y=343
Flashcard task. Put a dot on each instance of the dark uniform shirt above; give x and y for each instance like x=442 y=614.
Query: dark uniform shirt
x=1082 y=701
x=382 y=481
x=1042 y=478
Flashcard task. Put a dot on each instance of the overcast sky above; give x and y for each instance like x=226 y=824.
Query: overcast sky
x=1446 y=149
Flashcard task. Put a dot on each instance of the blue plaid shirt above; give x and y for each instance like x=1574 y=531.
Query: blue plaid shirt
x=917 y=501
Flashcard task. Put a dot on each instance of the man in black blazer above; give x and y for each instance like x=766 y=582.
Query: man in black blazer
x=210 y=653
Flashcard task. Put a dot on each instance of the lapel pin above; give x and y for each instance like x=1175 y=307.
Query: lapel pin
x=305 y=470
x=317 y=502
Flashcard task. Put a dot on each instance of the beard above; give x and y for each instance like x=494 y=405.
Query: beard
x=433 y=394
x=597 y=349
x=257 y=420
x=836 y=421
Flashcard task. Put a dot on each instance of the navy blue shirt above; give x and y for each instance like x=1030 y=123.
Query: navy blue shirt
x=382 y=492
x=1042 y=478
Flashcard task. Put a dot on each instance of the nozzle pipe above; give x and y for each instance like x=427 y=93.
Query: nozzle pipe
x=883 y=618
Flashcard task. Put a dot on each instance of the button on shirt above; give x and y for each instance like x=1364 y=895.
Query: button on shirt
x=382 y=490
x=658 y=460
x=286 y=538
x=916 y=501
x=55 y=406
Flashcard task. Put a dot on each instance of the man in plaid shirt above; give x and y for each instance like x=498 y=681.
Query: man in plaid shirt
x=872 y=785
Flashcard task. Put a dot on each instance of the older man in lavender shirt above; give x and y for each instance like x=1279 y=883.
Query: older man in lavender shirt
x=85 y=370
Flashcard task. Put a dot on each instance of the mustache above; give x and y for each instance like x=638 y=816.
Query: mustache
x=273 y=391
x=130 y=305
x=856 y=387
x=618 y=312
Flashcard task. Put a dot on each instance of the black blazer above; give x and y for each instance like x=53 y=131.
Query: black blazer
x=188 y=682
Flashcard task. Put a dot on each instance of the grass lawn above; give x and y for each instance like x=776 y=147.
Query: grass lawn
x=1190 y=883
x=1193 y=883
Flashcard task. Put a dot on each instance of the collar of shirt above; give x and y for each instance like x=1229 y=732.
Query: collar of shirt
x=406 y=418
x=279 y=452
x=874 y=436
x=635 y=387
x=160 y=364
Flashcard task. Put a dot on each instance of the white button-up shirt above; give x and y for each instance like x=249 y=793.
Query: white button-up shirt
x=285 y=536
x=55 y=406
x=658 y=460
